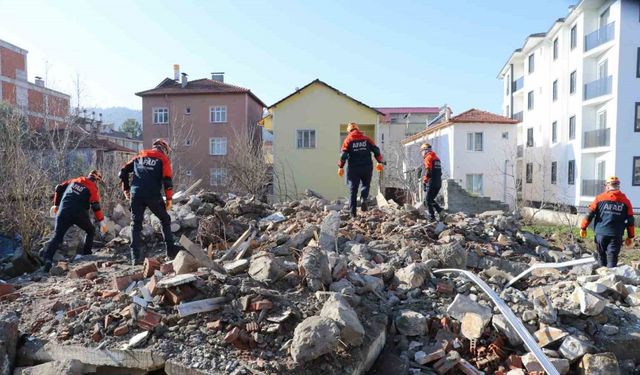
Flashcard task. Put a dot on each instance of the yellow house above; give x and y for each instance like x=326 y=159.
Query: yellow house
x=308 y=128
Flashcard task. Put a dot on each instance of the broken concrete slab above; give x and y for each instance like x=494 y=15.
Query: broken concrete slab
x=413 y=275
x=411 y=323
x=237 y=266
x=8 y=341
x=266 y=268
x=173 y=367
x=314 y=337
x=375 y=339
x=314 y=267
x=329 y=231
x=185 y=263
x=66 y=367
x=549 y=335
x=590 y=304
x=338 y=309
x=205 y=305
x=599 y=364
x=463 y=304
x=573 y=348
x=177 y=280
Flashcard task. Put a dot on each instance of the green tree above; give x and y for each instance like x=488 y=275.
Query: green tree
x=131 y=126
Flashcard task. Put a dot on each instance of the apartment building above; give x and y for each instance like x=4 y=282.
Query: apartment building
x=41 y=106
x=202 y=119
x=576 y=91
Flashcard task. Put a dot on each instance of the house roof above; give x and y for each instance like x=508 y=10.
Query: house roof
x=388 y=111
x=326 y=85
x=206 y=86
x=472 y=116
x=80 y=139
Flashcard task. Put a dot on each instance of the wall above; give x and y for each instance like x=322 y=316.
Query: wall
x=322 y=109
x=198 y=129
x=457 y=199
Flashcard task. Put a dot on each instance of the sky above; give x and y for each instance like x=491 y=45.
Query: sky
x=383 y=53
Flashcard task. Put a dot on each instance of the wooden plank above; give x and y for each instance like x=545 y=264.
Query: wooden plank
x=205 y=305
x=229 y=254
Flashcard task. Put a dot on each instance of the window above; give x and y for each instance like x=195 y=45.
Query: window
x=505 y=135
x=571 y=176
x=554 y=172
x=218 y=114
x=187 y=111
x=529 y=173
x=530 y=137
x=572 y=82
x=508 y=83
x=530 y=100
x=474 y=142
x=574 y=37
x=531 y=63
x=554 y=132
x=601 y=119
x=217 y=176
x=187 y=172
x=637 y=117
x=554 y=93
x=638 y=64
x=635 y=176
x=160 y=116
x=306 y=138
x=572 y=127
x=507 y=114
x=187 y=142
x=474 y=183
x=555 y=49
x=217 y=146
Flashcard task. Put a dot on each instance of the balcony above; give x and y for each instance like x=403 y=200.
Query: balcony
x=518 y=84
x=599 y=37
x=598 y=88
x=591 y=188
x=520 y=151
x=518 y=116
x=597 y=138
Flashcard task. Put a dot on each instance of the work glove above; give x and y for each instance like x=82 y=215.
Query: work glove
x=167 y=204
x=53 y=211
x=379 y=167
x=583 y=233
x=127 y=195
x=103 y=227
x=340 y=172
x=628 y=242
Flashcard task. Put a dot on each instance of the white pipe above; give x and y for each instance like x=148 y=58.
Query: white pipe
x=575 y=262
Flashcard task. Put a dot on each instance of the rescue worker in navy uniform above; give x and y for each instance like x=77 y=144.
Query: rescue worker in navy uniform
x=431 y=179
x=71 y=203
x=356 y=150
x=151 y=173
x=611 y=212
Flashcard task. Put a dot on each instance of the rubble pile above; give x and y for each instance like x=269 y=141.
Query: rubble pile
x=300 y=288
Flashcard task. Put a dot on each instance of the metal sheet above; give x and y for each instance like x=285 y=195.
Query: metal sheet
x=571 y=263
x=515 y=323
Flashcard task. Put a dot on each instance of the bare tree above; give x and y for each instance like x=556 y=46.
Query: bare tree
x=248 y=171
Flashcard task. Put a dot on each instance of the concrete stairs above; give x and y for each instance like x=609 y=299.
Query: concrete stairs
x=457 y=199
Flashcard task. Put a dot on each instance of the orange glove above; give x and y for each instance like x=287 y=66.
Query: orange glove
x=628 y=242
x=379 y=167
x=583 y=233
x=340 y=172
x=103 y=227
x=167 y=204
x=127 y=195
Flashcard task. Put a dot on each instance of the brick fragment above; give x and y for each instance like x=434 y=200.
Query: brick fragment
x=166 y=268
x=6 y=289
x=232 y=335
x=121 y=330
x=91 y=276
x=81 y=271
x=263 y=304
x=152 y=286
x=444 y=288
x=434 y=356
x=150 y=266
x=97 y=333
x=76 y=311
x=121 y=282
x=109 y=293
x=467 y=368
x=252 y=327
x=149 y=321
x=178 y=294
x=215 y=325
x=514 y=362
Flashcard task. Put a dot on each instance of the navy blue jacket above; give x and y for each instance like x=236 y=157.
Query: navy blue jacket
x=151 y=172
x=611 y=213
x=357 y=149
x=77 y=195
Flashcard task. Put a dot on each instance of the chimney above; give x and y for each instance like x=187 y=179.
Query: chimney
x=217 y=76
x=176 y=72
x=39 y=81
x=185 y=80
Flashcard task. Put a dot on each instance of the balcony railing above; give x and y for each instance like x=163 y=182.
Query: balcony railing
x=518 y=116
x=591 y=188
x=599 y=37
x=596 y=138
x=520 y=151
x=598 y=87
x=518 y=84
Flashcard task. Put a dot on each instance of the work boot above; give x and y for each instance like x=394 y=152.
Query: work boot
x=363 y=204
x=172 y=250
x=47 y=266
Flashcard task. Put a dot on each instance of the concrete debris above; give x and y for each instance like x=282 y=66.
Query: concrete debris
x=314 y=337
x=314 y=267
x=351 y=330
x=411 y=323
x=599 y=364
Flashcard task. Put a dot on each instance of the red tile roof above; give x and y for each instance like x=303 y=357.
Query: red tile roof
x=387 y=111
x=199 y=86
x=474 y=116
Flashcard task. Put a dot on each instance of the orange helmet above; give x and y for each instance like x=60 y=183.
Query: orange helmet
x=162 y=145
x=425 y=147
x=95 y=175
x=613 y=180
x=352 y=126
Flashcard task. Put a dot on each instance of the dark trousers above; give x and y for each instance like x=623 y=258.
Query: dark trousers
x=157 y=207
x=357 y=176
x=431 y=190
x=608 y=250
x=64 y=221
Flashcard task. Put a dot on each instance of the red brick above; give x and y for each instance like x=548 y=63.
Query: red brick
x=149 y=321
x=444 y=288
x=150 y=266
x=126 y=312
x=215 y=325
x=514 y=362
x=264 y=304
x=137 y=276
x=121 y=330
x=97 y=333
x=6 y=289
x=76 y=311
x=10 y=297
x=178 y=294
x=81 y=271
x=232 y=335
x=108 y=320
x=151 y=286
x=109 y=293
x=121 y=282
x=91 y=276
x=166 y=268
x=378 y=259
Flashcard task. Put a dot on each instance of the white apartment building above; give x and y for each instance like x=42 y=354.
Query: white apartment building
x=576 y=91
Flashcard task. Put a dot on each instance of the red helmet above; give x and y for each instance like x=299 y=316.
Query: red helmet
x=352 y=126
x=162 y=145
x=95 y=175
